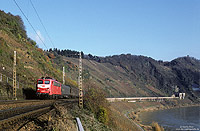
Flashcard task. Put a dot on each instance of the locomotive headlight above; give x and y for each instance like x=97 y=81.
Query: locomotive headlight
x=47 y=89
x=38 y=89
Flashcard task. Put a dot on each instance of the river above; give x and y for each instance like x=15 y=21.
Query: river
x=177 y=119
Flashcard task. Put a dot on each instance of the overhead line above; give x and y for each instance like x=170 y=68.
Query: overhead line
x=42 y=23
x=30 y=24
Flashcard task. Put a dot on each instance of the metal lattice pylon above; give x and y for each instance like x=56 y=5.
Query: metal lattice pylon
x=80 y=82
x=14 y=77
x=63 y=75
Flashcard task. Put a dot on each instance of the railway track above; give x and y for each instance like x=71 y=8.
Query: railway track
x=15 y=118
x=21 y=103
x=3 y=102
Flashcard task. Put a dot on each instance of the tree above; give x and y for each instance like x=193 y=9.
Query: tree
x=94 y=100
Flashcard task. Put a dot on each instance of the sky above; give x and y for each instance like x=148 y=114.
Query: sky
x=161 y=29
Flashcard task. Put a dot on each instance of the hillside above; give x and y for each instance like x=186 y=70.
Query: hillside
x=129 y=75
x=182 y=72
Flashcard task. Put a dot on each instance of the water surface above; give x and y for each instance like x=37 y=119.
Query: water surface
x=184 y=118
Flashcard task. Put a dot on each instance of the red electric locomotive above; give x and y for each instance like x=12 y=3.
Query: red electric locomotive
x=48 y=87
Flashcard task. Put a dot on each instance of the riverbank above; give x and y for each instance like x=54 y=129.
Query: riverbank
x=183 y=118
x=159 y=106
x=133 y=110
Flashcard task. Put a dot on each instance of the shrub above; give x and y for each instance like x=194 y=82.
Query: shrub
x=40 y=50
x=94 y=100
x=47 y=58
x=32 y=41
x=1 y=51
x=51 y=55
x=94 y=97
x=102 y=115
x=71 y=82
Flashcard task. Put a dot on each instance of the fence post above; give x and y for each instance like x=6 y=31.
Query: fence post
x=80 y=127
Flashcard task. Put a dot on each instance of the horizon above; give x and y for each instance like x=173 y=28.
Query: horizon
x=132 y=55
x=162 y=30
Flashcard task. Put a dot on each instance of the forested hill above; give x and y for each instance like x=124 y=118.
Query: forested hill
x=183 y=72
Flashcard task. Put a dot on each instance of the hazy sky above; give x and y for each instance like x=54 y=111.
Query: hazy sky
x=161 y=29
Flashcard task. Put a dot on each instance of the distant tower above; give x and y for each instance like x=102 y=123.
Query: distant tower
x=14 y=77
x=80 y=82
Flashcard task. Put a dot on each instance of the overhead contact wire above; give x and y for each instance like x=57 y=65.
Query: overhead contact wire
x=30 y=24
x=42 y=23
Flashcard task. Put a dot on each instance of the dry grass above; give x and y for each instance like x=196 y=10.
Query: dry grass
x=121 y=123
x=156 y=127
x=56 y=120
x=132 y=111
x=63 y=120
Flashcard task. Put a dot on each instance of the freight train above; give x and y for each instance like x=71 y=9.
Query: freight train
x=48 y=87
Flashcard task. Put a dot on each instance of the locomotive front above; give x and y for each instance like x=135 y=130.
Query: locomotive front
x=43 y=87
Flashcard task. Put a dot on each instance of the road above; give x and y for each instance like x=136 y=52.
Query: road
x=139 y=98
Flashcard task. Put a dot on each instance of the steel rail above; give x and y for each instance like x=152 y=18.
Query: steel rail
x=16 y=121
x=20 y=110
x=17 y=117
x=14 y=118
x=5 y=102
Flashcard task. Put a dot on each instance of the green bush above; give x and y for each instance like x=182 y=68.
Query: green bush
x=94 y=100
x=102 y=115
x=32 y=41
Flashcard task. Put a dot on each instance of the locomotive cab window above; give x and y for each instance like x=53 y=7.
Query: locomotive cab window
x=40 y=82
x=47 y=82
